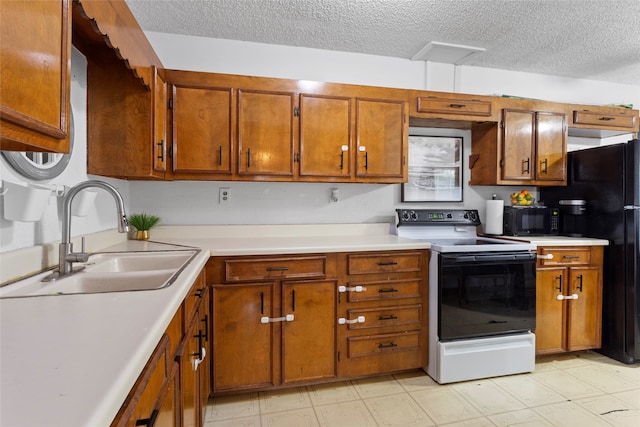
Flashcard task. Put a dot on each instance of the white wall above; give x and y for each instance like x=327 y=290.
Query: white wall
x=189 y=202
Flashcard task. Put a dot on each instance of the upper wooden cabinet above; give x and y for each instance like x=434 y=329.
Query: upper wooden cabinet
x=381 y=134
x=227 y=127
x=35 y=65
x=450 y=110
x=526 y=148
x=605 y=118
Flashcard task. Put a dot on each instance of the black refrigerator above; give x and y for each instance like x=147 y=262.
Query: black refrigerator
x=608 y=179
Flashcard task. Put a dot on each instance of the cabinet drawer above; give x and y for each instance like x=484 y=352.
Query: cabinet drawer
x=564 y=256
x=384 y=263
x=454 y=106
x=619 y=120
x=243 y=270
x=406 y=316
x=384 y=290
x=371 y=345
x=192 y=301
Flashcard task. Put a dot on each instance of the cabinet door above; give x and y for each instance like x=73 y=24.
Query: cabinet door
x=242 y=345
x=201 y=130
x=518 y=145
x=159 y=122
x=35 y=68
x=585 y=313
x=325 y=136
x=308 y=342
x=381 y=140
x=265 y=133
x=551 y=145
x=204 y=369
x=550 y=313
x=189 y=376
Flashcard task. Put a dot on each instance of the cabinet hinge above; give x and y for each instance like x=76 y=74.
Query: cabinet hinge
x=501 y=125
x=296 y=112
x=501 y=163
x=338 y=356
x=170 y=104
x=404 y=160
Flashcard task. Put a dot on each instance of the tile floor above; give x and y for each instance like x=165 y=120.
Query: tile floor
x=580 y=389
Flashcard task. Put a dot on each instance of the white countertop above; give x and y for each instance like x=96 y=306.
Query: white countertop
x=71 y=360
x=559 y=240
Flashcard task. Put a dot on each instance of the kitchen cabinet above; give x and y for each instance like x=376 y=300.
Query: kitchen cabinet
x=227 y=127
x=174 y=387
x=154 y=398
x=605 y=118
x=126 y=93
x=273 y=320
x=382 y=308
x=202 y=138
x=568 y=299
x=527 y=148
x=381 y=132
x=36 y=71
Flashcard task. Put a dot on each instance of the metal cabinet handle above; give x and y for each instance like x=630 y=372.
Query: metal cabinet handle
x=580 y=281
x=342 y=160
x=545 y=164
x=383 y=264
x=559 y=288
x=366 y=160
x=277 y=268
x=248 y=158
x=607 y=118
x=220 y=155
x=388 y=345
x=149 y=422
x=161 y=144
x=384 y=291
x=457 y=105
x=525 y=170
x=389 y=317
x=205 y=320
x=570 y=257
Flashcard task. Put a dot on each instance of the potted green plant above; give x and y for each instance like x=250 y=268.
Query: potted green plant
x=143 y=222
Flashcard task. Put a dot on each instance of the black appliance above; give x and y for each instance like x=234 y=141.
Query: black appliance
x=608 y=178
x=530 y=221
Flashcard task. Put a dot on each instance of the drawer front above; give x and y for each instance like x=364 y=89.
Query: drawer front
x=373 y=345
x=564 y=256
x=384 y=290
x=243 y=270
x=402 y=262
x=454 y=106
x=405 y=316
x=613 y=120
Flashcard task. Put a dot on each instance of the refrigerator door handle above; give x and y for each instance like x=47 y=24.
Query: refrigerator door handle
x=631 y=207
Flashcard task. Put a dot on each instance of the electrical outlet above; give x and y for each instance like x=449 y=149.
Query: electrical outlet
x=224 y=196
x=335 y=196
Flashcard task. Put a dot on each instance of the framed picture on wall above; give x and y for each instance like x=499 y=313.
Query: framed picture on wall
x=435 y=170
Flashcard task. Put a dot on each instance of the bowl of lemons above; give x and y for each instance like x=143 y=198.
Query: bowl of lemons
x=523 y=198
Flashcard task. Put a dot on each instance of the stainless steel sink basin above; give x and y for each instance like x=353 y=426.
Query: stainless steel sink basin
x=109 y=272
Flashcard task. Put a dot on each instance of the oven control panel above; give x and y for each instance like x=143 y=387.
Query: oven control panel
x=441 y=216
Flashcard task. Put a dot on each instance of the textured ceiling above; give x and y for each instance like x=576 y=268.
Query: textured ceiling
x=590 y=39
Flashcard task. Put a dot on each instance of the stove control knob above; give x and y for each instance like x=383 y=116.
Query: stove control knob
x=414 y=216
x=405 y=216
x=472 y=216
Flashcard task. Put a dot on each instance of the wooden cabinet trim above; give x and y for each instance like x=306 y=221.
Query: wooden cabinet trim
x=389 y=262
x=618 y=120
x=243 y=270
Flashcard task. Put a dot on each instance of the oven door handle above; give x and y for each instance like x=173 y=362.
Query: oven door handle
x=496 y=257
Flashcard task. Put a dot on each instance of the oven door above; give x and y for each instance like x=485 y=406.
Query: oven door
x=486 y=294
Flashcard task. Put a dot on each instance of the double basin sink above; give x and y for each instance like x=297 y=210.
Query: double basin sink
x=109 y=272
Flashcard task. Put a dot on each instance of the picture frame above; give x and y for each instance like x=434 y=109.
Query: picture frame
x=435 y=169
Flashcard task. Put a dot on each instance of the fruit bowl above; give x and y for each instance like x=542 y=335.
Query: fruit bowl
x=523 y=198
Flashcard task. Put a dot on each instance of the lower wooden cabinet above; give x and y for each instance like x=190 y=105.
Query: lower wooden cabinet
x=295 y=319
x=174 y=387
x=273 y=333
x=568 y=299
x=154 y=398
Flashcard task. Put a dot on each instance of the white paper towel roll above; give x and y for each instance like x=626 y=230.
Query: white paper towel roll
x=493 y=223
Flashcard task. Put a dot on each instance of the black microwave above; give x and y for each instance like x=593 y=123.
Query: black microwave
x=531 y=221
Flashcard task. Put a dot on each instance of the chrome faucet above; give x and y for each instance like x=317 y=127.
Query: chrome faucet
x=66 y=255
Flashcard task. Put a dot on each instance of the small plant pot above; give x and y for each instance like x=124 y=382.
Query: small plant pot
x=142 y=235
